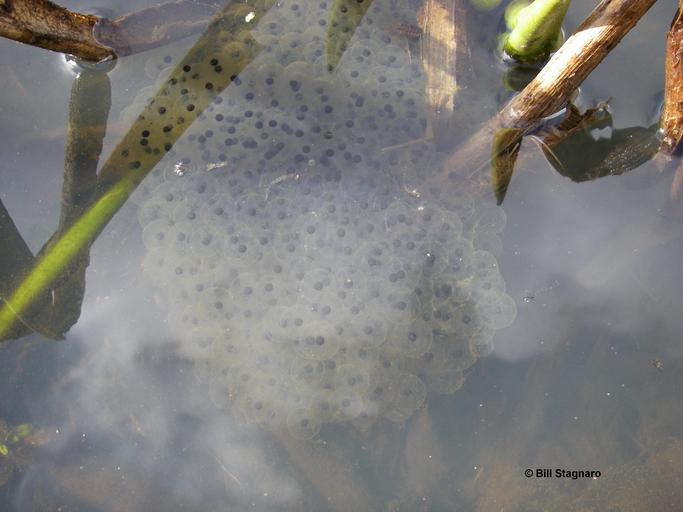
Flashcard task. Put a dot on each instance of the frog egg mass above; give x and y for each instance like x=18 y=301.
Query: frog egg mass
x=298 y=272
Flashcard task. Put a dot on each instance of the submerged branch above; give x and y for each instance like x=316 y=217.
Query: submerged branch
x=609 y=22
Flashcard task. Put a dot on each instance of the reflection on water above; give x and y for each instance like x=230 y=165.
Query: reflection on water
x=285 y=318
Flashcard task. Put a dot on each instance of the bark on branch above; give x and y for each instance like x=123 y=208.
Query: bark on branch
x=50 y=26
x=90 y=38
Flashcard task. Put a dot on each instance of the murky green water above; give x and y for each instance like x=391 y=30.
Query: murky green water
x=287 y=314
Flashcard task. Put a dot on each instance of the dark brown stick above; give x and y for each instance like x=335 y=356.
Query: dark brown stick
x=552 y=87
x=672 y=112
x=90 y=38
x=50 y=26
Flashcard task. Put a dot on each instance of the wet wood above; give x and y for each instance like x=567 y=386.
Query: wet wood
x=549 y=92
x=672 y=111
x=444 y=52
x=50 y=26
x=90 y=38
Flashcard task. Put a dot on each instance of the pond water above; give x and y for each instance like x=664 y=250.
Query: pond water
x=288 y=313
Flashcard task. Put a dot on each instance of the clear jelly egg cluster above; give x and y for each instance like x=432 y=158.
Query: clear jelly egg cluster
x=299 y=266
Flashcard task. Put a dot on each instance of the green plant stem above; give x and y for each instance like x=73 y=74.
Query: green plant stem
x=78 y=237
x=536 y=29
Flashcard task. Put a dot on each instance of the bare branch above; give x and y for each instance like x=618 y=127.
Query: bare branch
x=50 y=26
x=609 y=22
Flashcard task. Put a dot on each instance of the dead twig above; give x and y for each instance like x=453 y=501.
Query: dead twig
x=93 y=39
x=552 y=87
x=50 y=26
x=445 y=60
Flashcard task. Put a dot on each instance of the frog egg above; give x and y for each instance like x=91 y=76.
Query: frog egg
x=199 y=342
x=447 y=286
x=313 y=52
x=232 y=347
x=455 y=200
x=192 y=182
x=246 y=301
x=367 y=329
x=402 y=302
x=243 y=247
x=155 y=208
x=409 y=393
x=319 y=341
x=289 y=246
x=187 y=209
x=431 y=258
x=155 y=233
x=445 y=382
x=270 y=79
x=372 y=256
x=216 y=304
x=346 y=283
x=157 y=265
x=323 y=405
x=466 y=319
x=283 y=325
x=400 y=217
x=441 y=225
x=352 y=380
x=481 y=342
x=291 y=46
x=392 y=56
x=307 y=374
x=365 y=415
x=453 y=351
x=460 y=260
x=351 y=407
x=410 y=337
x=145 y=190
x=444 y=316
x=302 y=424
x=252 y=208
x=500 y=308
x=257 y=407
x=316 y=285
